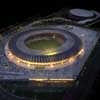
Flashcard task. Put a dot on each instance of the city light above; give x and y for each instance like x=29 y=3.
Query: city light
x=51 y=79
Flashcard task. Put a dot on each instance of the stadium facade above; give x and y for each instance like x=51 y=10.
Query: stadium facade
x=19 y=53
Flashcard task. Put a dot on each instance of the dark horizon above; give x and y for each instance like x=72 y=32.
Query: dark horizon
x=20 y=14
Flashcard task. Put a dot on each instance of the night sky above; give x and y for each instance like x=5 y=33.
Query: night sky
x=18 y=13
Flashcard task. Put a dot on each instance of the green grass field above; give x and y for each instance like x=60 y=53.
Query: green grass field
x=43 y=44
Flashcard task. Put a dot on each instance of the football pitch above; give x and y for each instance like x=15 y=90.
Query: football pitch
x=43 y=44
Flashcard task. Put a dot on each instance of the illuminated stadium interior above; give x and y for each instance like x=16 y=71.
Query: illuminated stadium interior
x=45 y=41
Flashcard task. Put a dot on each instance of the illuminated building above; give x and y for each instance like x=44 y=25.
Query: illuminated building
x=18 y=53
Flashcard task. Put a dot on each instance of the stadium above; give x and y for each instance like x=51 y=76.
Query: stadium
x=44 y=56
x=48 y=54
x=46 y=48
